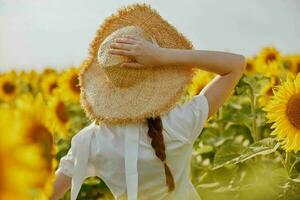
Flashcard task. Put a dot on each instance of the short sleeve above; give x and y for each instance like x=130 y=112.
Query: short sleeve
x=66 y=163
x=187 y=120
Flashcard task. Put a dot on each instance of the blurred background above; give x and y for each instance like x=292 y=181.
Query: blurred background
x=248 y=150
x=37 y=33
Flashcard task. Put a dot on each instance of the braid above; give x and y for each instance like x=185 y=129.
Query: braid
x=155 y=133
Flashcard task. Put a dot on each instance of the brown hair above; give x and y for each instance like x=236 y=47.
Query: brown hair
x=157 y=142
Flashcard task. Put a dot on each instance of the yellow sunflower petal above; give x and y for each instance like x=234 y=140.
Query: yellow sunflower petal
x=284 y=112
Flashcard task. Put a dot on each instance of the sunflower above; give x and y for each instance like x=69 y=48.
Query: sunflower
x=8 y=86
x=48 y=70
x=284 y=112
x=30 y=79
x=267 y=91
x=251 y=67
x=24 y=168
x=200 y=79
x=37 y=111
x=292 y=63
x=69 y=84
x=268 y=55
x=38 y=134
x=35 y=126
x=271 y=69
x=59 y=115
x=19 y=167
x=49 y=83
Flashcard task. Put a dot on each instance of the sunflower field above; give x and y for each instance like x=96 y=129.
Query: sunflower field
x=248 y=150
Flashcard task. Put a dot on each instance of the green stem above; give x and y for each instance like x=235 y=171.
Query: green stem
x=221 y=123
x=255 y=135
x=282 y=160
x=292 y=167
x=288 y=161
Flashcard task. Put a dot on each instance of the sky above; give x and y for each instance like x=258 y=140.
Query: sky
x=36 y=34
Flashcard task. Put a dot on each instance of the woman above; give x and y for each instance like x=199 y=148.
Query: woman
x=228 y=66
x=170 y=136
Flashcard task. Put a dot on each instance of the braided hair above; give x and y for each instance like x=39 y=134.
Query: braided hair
x=157 y=142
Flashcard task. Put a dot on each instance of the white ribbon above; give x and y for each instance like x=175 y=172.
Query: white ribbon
x=81 y=160
x=131 y=156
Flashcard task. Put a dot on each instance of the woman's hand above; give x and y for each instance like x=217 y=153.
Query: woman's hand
x=146 y=54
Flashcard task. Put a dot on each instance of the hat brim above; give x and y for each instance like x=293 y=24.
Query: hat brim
x=154 y=96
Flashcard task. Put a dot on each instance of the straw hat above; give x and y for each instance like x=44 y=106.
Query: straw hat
x=114 y=95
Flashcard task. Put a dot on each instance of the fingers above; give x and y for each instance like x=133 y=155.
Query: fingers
x=122 y=46
x=120 y=52
x=130 y=37
x=132 y=64
x=125 y=40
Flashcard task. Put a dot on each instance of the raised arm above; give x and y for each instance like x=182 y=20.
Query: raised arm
x=229 y=67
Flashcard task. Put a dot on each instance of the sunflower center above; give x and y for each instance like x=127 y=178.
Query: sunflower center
x=293 y=111
x=61 y=112
x=270 y=57
x=39 y=134
x=74 y=84
x=298 y=66
x=288 y=64
x=8 y=87
x=249 y=66
x=277 y=81
x=52 y=87
x=270 y=92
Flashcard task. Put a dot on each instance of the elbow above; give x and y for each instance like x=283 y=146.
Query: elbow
x=241 y=63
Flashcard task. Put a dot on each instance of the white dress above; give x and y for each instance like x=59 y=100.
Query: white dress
x=122 y=156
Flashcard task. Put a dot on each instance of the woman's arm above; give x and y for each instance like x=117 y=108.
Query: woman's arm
x=60 y=185
x=228 y=66
x=218 y=62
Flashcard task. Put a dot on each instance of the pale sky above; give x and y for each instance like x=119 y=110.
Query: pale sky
x=57 y=33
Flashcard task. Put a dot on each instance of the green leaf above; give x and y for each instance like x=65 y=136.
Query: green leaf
x=297 y=156
x=231 y=153
x=211 y=136
x=227 y=154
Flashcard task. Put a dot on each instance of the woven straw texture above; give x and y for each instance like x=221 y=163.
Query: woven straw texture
x=134 y=94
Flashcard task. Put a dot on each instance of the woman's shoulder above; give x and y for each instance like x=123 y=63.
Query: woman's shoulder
x=186 y=120
x=85 y=131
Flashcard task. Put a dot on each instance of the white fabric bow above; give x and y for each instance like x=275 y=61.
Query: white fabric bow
x=131 y=156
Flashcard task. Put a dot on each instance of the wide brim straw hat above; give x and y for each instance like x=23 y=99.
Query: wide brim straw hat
x=114 y=95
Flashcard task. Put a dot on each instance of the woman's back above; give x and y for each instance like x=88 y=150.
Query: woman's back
x=112 y=154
